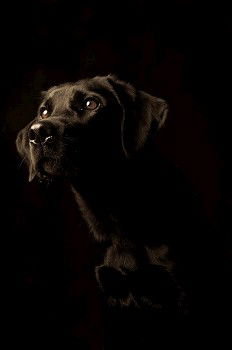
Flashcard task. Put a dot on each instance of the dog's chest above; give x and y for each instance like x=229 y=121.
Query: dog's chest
x=101 y=221
x=124 y=210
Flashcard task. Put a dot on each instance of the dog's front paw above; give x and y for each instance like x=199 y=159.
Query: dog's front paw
x=113 y=282
x=155 y=287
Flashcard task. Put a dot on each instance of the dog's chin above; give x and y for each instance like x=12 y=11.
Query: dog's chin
x=48 y=168
x=51 y=169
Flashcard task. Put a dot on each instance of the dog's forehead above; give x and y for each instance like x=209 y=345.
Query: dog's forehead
x=67 y=91
x=62 y=94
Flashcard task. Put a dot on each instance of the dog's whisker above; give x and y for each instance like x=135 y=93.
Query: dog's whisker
x=21 y=163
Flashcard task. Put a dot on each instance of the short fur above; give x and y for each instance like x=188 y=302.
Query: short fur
x=130 y=198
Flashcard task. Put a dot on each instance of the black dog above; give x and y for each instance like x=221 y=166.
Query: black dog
x=100 y=134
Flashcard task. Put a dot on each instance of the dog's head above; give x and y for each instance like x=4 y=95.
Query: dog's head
x=92 y=121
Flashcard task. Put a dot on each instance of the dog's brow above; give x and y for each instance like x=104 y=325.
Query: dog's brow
x=48 y=102
x=76 y=99
x=78 y=95
x=56 y=91
x=104 y=92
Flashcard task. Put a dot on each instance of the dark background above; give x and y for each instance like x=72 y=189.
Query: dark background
x=178 y=50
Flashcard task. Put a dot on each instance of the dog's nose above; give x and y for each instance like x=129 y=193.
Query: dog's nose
x=40 y=134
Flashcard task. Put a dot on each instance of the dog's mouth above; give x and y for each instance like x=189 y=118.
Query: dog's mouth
x=47 y=168
x=51 y=168
x=48 y=171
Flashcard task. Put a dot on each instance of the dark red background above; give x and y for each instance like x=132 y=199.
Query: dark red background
x=177 y=50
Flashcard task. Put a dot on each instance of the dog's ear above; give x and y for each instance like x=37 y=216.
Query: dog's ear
x=22 y=148
x=141 y=113
x=32 y=172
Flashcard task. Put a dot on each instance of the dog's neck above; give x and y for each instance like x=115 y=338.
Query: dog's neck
x=99 y=193
x=105 y=180
x=101 y=179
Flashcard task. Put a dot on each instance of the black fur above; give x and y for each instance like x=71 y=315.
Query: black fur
x=129 y=196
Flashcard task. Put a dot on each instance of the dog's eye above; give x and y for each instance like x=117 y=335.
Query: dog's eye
x=91 y=104
x=43 y=112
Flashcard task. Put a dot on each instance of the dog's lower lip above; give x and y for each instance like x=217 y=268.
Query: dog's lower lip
x=42 y=168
